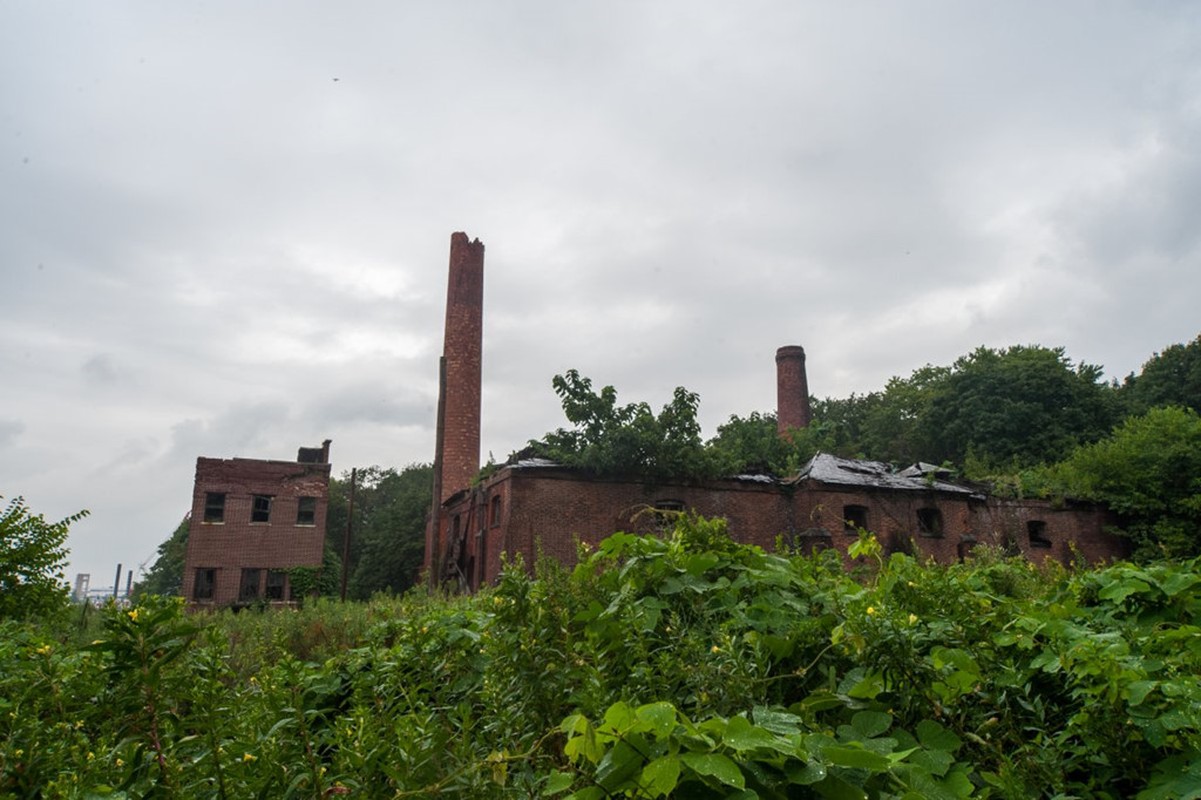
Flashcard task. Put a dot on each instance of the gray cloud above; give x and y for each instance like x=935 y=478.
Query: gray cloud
x=10 y=429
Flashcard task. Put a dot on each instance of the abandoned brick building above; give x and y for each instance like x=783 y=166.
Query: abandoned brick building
x=252 y=522
x=534 y=506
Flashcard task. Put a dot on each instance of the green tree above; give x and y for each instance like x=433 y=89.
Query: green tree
x=33 y=557
x=388 y=533
x=753 y=444
x=1149 y=473
x=1014 y=407
x=165 y=576
x=630 y=440
x=1172 y=377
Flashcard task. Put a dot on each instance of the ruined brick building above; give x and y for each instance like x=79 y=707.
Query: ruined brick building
x=533 y=506
x=253 y=521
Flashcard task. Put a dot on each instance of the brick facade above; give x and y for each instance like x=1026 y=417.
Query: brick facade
x=251 y=521
x=536 y=510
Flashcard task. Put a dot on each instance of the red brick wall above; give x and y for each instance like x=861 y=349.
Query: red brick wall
x=462 y=349
x=547 y=511
x=237 y=543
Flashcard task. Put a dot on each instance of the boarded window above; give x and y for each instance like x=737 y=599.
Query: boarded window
x=306 y=511
x=929 y=522
x=1037 y=530
x=249 y=589
x=277 y=581
x=214 y=507
x=260 y=509
x=206 y=582
x=494 y=508
x=854 y=518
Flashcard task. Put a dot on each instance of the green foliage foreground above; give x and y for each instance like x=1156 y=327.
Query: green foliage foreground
x=688 y=666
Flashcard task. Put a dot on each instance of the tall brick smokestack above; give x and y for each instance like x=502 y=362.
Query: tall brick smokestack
x=792 y=390
x=459 y=459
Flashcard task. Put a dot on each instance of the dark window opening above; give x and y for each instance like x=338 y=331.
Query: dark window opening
x=1037 y=530
x=249 y=590
x=494 y=511
x=260 y=509
x=900 y=543
x=277 y=581
x=929 y=522
x=214 y=507
x=810 y=542
x=206 y=582
x=306 y=511
x=667 y=512
x=854 y=518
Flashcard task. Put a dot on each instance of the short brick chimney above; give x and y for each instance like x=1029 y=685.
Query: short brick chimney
x=792 y=390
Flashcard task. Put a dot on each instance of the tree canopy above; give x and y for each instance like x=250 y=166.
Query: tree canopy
x=627 y=440
x=33 y=556
x=1018 y=406
x=165 y=576
x=1149 y=472
x=388 y=535
x=1172 y=377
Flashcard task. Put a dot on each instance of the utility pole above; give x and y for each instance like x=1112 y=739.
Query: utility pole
x=346 y=538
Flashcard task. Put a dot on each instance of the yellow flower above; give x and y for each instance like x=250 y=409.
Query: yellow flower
x=912 y=618
x=871 y=610
x=120 y=762
x=715 y=649
x=44 y=650
x=248 y=757
x=133 y=615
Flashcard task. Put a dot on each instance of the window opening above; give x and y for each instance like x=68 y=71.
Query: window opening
x=260 y=509
x=854 y=518
x=214 y=507
x=666 y=513
x=277 y=581
x=306 y=511
x=206 y=582
x=249 y=590
x=1037 y=530
x=929 y=522
x=494 y=510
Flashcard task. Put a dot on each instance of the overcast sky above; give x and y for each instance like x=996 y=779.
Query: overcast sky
x=224 y=226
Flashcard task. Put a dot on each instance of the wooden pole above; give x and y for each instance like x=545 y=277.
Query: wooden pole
x=346 y=538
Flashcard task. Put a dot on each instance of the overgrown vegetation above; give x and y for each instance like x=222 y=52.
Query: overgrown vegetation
x=687 y=666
